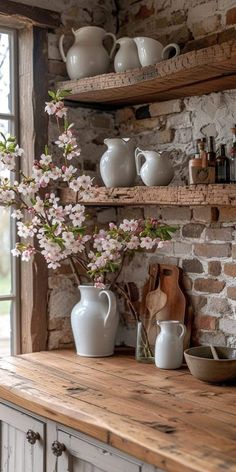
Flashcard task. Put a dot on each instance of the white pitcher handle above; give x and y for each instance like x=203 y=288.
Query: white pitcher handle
x=170 y=48
x=183 y=330
x=138 y=155
x=114 y=43
x=111 y=305
x=61 y=49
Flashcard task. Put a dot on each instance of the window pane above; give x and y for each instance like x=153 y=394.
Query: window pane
x=5 y=126
x=5 y=252
x=5 y=73
x=5 y=345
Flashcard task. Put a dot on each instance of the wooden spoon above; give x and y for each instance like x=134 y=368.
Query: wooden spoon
x=214 y=353
x=155 y=301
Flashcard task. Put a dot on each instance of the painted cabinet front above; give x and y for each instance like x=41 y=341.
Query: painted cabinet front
x=22 y=443
x=86 y=456
x=32 y=444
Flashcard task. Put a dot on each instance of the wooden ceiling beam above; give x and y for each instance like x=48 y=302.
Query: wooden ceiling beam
x=30 y=14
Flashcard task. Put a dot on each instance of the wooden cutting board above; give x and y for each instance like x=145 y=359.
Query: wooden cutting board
x=175 y=306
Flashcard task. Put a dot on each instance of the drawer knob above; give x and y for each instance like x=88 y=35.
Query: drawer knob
x=32 y=437
x=58 y=448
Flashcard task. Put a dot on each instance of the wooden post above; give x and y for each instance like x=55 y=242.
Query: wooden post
x=33 y=87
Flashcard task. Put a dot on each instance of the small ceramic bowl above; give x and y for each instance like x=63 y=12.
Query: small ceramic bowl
x=202 y=365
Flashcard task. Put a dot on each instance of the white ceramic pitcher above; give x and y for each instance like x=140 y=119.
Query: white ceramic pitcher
x=94 y=321
x=117 y=164
x=157 y=169
x=169 y=344
x=151 y=51
x=87 y=57
x=126 y=57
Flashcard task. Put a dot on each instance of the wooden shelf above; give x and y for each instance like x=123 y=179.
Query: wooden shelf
x=206 y=70
x=201 y=195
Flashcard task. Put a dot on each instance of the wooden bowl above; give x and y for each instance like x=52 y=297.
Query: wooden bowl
x=202 y=365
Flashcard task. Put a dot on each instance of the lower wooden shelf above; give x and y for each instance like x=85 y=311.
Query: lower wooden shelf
x=200 y=195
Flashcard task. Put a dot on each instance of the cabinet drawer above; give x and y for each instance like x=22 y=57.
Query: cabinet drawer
x=85 y=456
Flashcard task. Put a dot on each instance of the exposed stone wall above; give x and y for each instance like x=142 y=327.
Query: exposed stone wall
x=204 y=245
x=175 y=20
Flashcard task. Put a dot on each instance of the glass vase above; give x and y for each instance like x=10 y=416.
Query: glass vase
x=144 y=352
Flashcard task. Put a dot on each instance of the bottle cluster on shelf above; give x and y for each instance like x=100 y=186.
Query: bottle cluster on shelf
x=211 y=166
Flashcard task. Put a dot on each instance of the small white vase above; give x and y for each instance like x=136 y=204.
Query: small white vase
x=126 y=57
x=157 y=169
x=169 y=345
x=94 y=322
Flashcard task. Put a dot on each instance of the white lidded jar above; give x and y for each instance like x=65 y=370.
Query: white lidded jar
x=169 y=344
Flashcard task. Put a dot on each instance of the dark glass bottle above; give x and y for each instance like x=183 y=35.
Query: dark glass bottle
x=232 y=157
x=222 y=167
x=211 y=154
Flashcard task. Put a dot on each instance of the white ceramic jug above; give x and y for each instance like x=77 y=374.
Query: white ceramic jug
x=169 y=345
x=87 y=57
x=151 y=51
x=117 y=165
x=94 y=322
x=126 y=57
x=157 y=169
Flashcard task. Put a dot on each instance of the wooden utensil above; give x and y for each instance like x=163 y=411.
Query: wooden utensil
x=155 y=301
x=214 y=353
x=175 y=306
x=149 y=286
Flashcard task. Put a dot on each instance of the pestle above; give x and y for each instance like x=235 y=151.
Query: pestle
x=214 y=353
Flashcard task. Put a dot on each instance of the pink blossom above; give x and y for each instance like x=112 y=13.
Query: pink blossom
x=129 y=225
x=147 y=243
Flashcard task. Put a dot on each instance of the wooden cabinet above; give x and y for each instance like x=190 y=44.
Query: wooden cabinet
x=28 y=444
x=22 y=444
x=85 y=455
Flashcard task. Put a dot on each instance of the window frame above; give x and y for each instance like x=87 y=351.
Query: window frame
x=13 y=118
x=32 y=24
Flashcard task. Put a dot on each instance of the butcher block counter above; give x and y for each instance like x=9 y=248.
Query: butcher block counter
x=164 y=418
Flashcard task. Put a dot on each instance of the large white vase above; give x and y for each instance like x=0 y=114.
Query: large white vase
x=94 y=321
x=117 y=164
x=87 y=57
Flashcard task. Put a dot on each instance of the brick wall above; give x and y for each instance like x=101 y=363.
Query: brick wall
x=205 y=245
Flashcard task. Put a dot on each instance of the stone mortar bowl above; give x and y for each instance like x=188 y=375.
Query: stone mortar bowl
x=202 y=365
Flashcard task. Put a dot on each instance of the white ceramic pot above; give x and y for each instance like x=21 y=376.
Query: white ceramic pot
x=126 y=57
x=94 y=321
x=157 y=169
x=117 y=164
x=151 y=51
x=87 y=57
x=169 y=345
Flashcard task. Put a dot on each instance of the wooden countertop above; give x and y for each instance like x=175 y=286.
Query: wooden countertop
x=166 y=418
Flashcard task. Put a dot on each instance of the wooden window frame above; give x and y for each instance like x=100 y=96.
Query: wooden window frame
x=33 y=24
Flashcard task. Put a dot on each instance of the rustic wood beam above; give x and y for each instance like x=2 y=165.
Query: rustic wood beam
x=200 y=195
x=36 y=16
x=33 y=136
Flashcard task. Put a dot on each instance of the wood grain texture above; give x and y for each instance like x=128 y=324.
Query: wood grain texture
x=33 y=58
x=30 y=14
x=165 y=418
x=206 y=70
x=200 y=195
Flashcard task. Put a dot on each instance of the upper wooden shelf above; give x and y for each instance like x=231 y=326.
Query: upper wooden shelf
x=201 y=195
x=206 y=70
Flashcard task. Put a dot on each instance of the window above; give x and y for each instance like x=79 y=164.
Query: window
x=9 y=270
